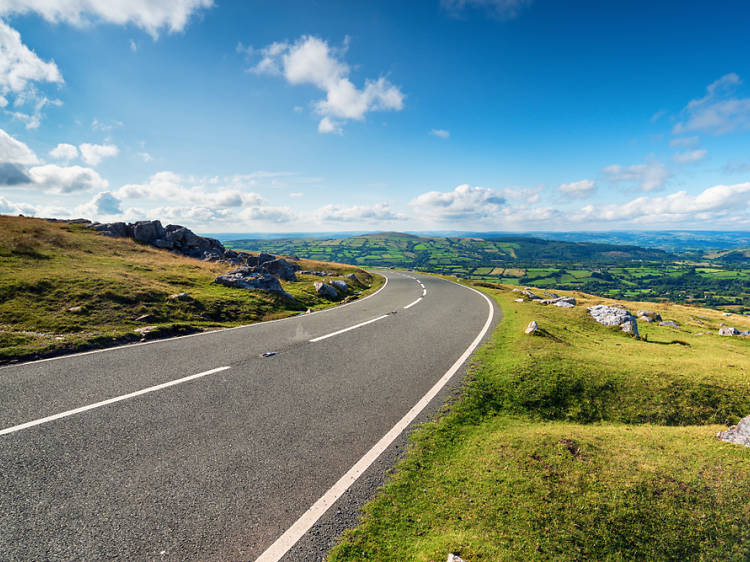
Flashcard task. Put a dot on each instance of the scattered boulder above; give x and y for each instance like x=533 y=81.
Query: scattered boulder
x=75 y=309
x=144 y=318
x=317 y=273
x=728 y=331
x=278 y=267
x=247 y=278
x=648 y=316
x=144 y=330
x=614 y=316
x=114 y=229
x=325 y=290
x=453 y=558
x=532 y=327
x=739 y=433
x=531 y=295
x=669 y=323
x=564 y=302
x=340 y=285
x=518 y=300
x=179 y=297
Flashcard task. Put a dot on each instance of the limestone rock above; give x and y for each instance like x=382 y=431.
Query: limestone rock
x=614 y=316
x=728 y=331
x=325 y=290
x=144 y=330
x=247 y=278
x=179 y=297
x=453 y=558
x=649 y=316
x=739 y=433
x=532 y=327
x=148 y=231
x=280 y=268
x=669 y=323
x=340 y=285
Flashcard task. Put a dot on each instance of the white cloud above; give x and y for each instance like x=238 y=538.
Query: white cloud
x=66 y=179
x=502 y=9
x=93 y=154
x=310 y=60
x=711 y=203
x=133 y=46
x=690 y=156
x=149 y=15
x=105 y=127
x=20 y=66
x=296 y=195
x=358 y=213
x=579 y=189
x=102 y=205
x=717 y=112
x=64 y=151
x=145 y=156
x=15 y=152
x=649 y=177
x=464 y=203
x=268 y=214
x=440 y=133
x=684 y=142
x=12 y=208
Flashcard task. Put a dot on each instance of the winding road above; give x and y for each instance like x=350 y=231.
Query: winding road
x=258 y=442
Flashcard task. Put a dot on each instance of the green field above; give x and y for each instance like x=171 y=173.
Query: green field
x=625 y=272
x=579 y=443
x=65 y=288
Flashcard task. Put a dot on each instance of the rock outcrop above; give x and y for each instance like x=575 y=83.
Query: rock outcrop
x=739 y=433
x=325 y=290
x=614 y=316
x=248 y=278
x=532 y=327
x=340 y=285
x=728 y=331
x=648 y=316
x=669 y=323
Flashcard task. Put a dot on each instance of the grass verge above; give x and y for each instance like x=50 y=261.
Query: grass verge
x=579 y=443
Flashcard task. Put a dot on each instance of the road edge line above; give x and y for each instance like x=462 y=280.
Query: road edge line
x=291 y=536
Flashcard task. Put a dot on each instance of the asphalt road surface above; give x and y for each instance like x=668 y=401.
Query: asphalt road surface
x=201 y=448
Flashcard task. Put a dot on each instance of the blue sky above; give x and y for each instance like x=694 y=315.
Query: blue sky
x=434 y=114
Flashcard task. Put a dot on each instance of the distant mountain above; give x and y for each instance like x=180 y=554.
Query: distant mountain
x=435 y=253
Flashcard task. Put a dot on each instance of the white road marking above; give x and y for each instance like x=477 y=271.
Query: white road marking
x=424 y=292
x=348 y=329
x=131 y=345
x=109 y=401
x=286 y=541
x=412 y=304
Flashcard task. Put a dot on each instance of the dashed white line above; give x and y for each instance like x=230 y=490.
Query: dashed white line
x=412 y=304
x=281 y=546
x=424 y=292
x=109 y=401
x=348 y=329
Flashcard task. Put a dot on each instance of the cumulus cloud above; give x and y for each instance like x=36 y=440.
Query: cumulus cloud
x=719 y=111
x=465 y=202
x=311 y=60
x=15 y=152
x=440 y=133
x=711 y=203
x=649 y=177
x=102 y=205
x=66 y=179
x=149 y=15
x=578 y=189
x=690 y=156
x=13 y=208
x=64 y=151
x=12 y=175
x=262 y=213
x=358 y=213
x=501 y=9
x=93 y=154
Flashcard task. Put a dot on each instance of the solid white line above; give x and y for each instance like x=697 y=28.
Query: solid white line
x=347 y=329
x=164 y=340
x=286 y=541
x=412 y=304
x=109 y=401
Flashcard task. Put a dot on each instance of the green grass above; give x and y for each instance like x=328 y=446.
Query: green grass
x=64 y=288
x=579 y=443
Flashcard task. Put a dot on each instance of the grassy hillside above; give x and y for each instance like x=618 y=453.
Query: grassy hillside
x=719 y=279
x=66 y=288
x=579 y=443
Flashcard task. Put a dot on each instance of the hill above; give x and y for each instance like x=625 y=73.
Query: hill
x=65 y=288
x=578 y=442
x=433 y=253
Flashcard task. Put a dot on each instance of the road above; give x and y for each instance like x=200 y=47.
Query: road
x=201 y=448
